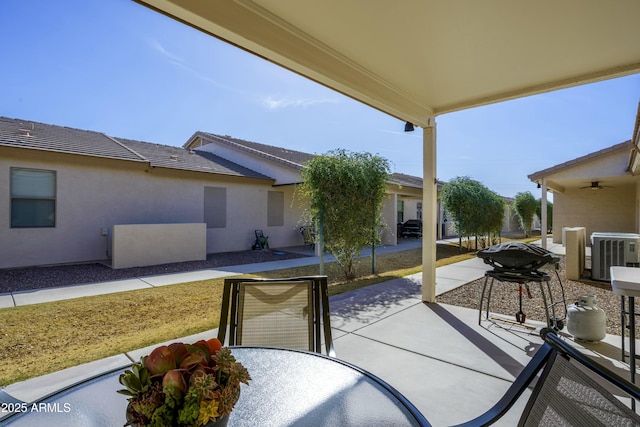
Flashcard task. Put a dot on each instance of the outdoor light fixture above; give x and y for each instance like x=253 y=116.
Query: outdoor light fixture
x=539 y=186
x=408 y=127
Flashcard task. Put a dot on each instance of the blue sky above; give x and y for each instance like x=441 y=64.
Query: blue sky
x=119 y=68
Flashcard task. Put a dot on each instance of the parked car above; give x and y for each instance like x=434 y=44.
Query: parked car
x=410 y=228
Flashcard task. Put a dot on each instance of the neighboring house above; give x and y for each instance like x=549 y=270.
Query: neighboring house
x=404 y=192
x=409 y=197
x=66 y=190
x=599 y=191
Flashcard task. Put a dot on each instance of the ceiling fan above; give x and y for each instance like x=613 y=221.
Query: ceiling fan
x=595 y=185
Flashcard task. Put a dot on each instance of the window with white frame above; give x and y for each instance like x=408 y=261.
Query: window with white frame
x=33 y=198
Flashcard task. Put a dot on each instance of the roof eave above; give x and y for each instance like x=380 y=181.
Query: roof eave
x=71 y=153
x=537 y=176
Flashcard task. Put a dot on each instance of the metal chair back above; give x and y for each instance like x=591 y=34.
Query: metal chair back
x=572 y=390
x=290 y=313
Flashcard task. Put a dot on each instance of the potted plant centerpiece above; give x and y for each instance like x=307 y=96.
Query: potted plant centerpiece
x=183 y=385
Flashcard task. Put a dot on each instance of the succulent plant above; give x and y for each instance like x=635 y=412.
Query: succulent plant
x=179 y=351
x=198 y=357
x=135 y=380
x=160 y=360
x=173 y=381
x=183 y=385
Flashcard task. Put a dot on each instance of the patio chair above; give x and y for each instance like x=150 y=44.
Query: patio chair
x=309 y=236
x=572 y=390
x=289 y=313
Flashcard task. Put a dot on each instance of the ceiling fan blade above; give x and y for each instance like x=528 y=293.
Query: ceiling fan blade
x=595 y=185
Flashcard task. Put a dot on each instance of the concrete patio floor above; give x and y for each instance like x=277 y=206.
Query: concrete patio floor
x=438 y=356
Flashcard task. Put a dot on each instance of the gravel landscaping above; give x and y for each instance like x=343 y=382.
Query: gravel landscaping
x=504 y=298
x=22 y=279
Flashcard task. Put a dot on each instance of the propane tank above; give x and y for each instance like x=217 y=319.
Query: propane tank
x=585 y=320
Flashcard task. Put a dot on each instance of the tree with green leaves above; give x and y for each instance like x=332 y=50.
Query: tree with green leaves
x=458 y=197
x=493 y=219
x=345 y=192
x=525 y=205
x=475 y=209
x=549 y=213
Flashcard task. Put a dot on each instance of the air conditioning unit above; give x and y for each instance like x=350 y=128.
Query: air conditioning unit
x=613 y=249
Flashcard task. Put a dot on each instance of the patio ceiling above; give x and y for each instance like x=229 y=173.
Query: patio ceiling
x=415 y=59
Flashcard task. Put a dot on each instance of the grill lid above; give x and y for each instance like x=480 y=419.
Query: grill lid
x=517 y=256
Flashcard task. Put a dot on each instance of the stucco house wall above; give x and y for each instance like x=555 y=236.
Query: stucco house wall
x=389 y=217
x=136 y=245
x=247 y=212
x=608 y=210
x=89 y=197
x=93 y=194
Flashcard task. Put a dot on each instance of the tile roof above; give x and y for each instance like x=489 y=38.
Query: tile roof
x=287 y=156
x=166 y=156
x=406 y=180
x=292 y=158
x=39 y=136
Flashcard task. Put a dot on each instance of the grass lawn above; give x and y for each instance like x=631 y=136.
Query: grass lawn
x=43 y=338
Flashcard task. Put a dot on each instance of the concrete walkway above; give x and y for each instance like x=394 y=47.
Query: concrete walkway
x=436 y=355
x=447 y=278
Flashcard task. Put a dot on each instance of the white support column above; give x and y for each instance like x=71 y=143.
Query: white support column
x=429 y=217
x=543 y=212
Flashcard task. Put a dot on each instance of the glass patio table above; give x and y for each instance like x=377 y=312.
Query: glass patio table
x=288 y=388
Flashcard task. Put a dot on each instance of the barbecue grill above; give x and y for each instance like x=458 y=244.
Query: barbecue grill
x=518 y=262
x=517 y=257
